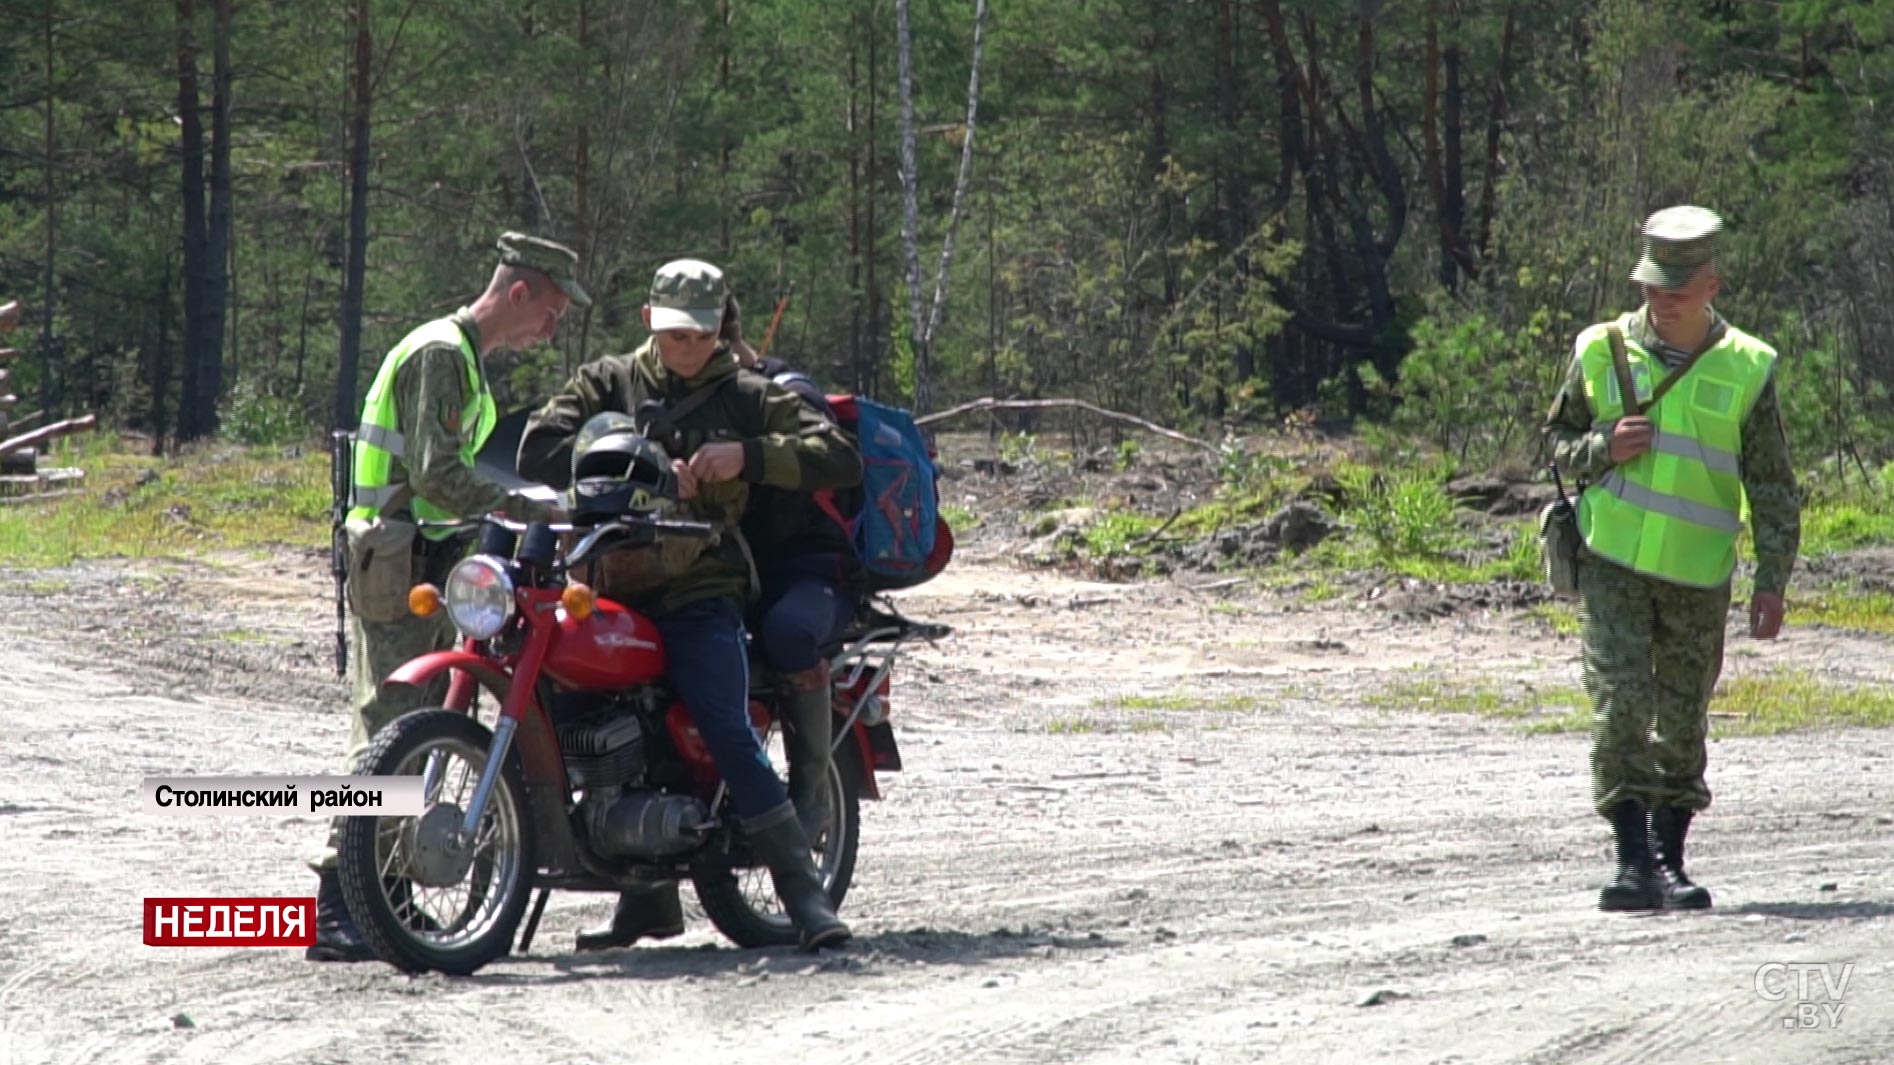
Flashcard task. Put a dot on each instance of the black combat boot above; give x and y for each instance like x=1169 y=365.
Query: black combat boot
x=653 y=913
x=1669 y=825
x=337 y=937
x=808 y=731
x=1637 y=886
x=778 y=839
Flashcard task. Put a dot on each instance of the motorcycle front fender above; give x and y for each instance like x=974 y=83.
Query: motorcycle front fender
x=537 y=746
x=418 y=672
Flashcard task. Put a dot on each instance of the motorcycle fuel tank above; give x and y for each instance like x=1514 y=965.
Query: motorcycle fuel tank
x=612 y=649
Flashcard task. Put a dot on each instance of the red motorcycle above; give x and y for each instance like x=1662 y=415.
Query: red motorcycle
x=593 y=777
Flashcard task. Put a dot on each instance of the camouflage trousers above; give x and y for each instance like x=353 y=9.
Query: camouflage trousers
x=1653 y=651
x=377 y=650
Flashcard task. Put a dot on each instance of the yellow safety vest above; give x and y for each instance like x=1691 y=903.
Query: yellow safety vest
x=1675 y=511
x=378 y=442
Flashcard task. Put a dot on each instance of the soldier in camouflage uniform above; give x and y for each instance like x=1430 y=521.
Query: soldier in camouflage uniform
x=747 y=433
x=1659 y=522
x=427 y=413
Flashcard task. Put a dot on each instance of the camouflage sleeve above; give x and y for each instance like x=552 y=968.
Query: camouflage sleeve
x=1775 y=504
x=800 y=450
x=430 y=396
x=1580 y=449
x=545 y=453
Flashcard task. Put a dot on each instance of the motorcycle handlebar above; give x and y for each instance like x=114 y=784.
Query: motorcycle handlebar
x=694 y=529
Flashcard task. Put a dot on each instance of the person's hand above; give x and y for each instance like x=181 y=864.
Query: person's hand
x=746 y=355
x=714 y=463
x=1630 y=438
x=686 y=480
x=1765 y=615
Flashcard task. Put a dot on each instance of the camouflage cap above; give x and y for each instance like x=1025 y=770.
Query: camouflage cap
x=554 y=260
x=1677 y=242
x=688 y=294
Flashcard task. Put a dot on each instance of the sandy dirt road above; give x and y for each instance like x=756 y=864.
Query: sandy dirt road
x=1258 y=865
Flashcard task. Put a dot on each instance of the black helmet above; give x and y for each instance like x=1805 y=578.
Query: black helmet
x=616 y=469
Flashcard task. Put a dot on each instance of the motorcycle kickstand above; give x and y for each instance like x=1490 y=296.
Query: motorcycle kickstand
x=532 y=920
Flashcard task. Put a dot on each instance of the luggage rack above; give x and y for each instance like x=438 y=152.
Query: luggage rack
x=873 y=648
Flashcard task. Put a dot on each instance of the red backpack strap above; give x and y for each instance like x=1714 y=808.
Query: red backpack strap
x=825 y=500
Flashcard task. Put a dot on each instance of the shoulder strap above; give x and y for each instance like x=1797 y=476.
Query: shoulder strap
x=696 y=399
x=403 y=494
x=1627 y=386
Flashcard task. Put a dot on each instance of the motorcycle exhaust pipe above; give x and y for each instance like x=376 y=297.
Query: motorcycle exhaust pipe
x=643 y=824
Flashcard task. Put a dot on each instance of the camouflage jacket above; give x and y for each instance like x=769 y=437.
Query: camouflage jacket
x=1582 y=449
x=431 y=392
x=785 y=446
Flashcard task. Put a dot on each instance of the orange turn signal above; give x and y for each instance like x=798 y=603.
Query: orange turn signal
x=578 y=601
x=424 y=600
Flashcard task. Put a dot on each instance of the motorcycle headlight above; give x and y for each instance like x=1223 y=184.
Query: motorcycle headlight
x=479 y=597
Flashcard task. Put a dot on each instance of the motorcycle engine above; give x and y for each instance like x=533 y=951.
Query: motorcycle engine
x=603 y=750
x=620 y=814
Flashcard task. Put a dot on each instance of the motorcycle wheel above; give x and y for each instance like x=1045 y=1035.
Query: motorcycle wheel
x=422 y=904
x=742 y=903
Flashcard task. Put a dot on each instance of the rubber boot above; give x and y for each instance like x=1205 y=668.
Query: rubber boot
x=1669 y=825
x=337 y=937
x=653 y=913
x=808 y=730
x=778 y=839
x=1637 y=886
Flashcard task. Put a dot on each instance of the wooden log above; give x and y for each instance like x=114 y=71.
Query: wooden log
x=40 y=436
x=9 y=316
x=7 y=354
x=40 y=497
x=989 y=404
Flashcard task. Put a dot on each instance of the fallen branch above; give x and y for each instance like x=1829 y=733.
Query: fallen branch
x=990 y=403
x=1157 y=532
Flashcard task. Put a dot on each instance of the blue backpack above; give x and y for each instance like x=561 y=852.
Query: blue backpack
x=899 y=533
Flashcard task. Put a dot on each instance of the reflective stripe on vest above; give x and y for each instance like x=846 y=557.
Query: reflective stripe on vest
x=379 y=442
x=1674 y=512
x=388 y=440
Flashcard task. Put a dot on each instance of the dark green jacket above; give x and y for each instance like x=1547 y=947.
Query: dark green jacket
x=785 y=445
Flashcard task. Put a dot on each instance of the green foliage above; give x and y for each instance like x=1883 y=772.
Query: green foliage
x=1136 y=232
x=1404 y=513
x=1116 y=532
x=960 y=519
x=1793 y=700
x=253 y=417
x=1532 y=709
x=1471 y=388
x=1843 y=608
x=135 y=506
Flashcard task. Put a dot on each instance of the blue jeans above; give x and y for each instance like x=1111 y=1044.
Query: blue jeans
x=703 y=643
x=799 y=617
